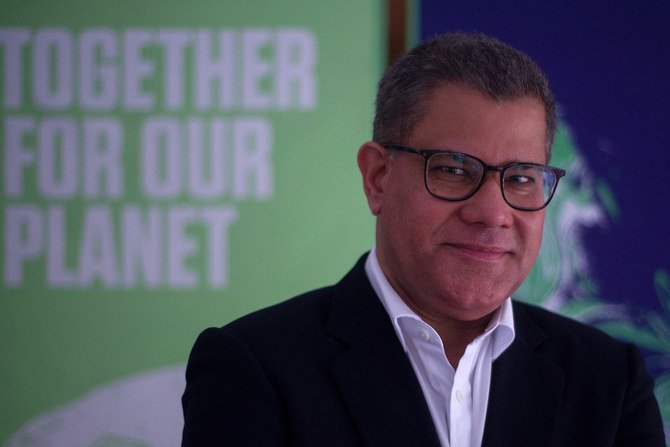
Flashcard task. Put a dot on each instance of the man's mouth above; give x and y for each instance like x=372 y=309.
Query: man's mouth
x=482 y=252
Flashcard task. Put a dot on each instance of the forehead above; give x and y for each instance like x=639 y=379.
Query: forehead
x=497 y=131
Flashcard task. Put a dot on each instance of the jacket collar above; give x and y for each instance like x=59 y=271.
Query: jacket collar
x=373 y=372
x=526 y=390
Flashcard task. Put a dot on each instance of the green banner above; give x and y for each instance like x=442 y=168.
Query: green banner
x=166 y=166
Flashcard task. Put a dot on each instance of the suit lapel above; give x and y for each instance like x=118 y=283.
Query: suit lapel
x=525 y=394
x=373 y=373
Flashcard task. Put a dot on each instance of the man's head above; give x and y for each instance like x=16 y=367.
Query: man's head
x=482 y=63
x=456 y=259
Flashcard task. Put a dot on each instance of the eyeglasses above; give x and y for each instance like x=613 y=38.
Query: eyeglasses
x=455 y=176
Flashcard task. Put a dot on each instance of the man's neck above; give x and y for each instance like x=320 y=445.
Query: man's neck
x=457 y=335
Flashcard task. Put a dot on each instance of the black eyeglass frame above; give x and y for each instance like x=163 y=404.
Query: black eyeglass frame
x=428 y=153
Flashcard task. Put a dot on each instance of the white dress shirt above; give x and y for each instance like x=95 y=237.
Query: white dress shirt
x=457 y=399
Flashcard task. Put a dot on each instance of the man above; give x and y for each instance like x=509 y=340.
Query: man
x=420 y=344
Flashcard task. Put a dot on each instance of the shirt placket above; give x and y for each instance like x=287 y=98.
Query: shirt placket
x=460 y=405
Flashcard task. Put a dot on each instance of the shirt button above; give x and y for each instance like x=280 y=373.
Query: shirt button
x=424 y=335
x=459 y=396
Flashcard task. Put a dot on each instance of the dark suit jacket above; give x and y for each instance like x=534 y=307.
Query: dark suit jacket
x=326 y=369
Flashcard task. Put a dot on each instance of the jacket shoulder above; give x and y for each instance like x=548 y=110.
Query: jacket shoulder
x=568 y=338
x=301 y=313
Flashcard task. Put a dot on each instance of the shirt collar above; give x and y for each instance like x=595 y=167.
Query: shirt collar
x=500 y=328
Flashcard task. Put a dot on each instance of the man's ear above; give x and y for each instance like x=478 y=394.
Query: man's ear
x=373 y=161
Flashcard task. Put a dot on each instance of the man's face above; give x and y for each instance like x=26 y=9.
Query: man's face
x=456 y=260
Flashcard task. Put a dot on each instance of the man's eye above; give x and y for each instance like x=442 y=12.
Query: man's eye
x=520 y=180
x=454 y=170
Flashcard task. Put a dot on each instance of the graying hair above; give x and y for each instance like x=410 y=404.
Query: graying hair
x=475 y=60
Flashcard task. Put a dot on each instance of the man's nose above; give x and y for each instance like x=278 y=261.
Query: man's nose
x=487 y=206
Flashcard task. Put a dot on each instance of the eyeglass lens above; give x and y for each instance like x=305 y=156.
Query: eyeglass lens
x=455 y=176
